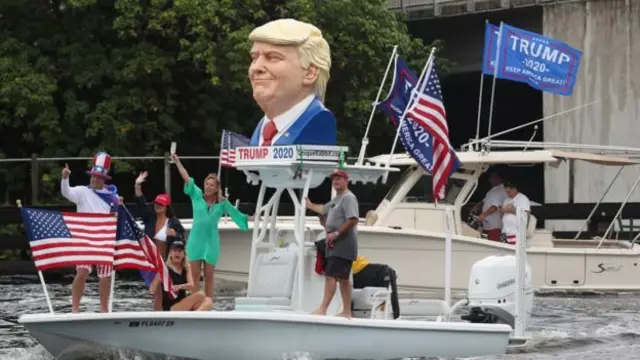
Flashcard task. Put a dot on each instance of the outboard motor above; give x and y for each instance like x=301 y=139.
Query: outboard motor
x=492 y=291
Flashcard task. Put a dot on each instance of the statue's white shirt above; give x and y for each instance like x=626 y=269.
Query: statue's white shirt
x=286 y=119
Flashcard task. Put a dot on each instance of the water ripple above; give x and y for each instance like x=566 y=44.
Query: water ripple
x=563 y=327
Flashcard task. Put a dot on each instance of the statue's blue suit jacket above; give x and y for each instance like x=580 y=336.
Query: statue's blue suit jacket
x=316 y=126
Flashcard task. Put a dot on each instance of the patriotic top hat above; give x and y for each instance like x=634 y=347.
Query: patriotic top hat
x=101 y=165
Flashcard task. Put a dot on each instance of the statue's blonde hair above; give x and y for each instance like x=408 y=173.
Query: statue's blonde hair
x=312 y=47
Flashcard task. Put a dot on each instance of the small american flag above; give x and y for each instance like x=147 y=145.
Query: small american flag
x=135 y=250
x=428 y=111
x=230 y=141
x=62 y=239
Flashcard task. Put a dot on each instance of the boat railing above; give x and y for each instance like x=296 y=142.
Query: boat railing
x=626 y=199
x=599 y=149
x=593 y=211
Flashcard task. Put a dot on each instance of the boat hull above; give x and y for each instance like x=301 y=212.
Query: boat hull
x=233 y=335
x=418 y=258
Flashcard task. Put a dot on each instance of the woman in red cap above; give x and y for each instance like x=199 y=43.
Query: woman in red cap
x=159 y=224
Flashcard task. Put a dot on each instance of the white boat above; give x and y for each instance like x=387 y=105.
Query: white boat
x=273 y=319
x=406 y=232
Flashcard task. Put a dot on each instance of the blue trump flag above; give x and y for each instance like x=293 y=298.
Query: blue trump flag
x=415 y=139
x=542 y=62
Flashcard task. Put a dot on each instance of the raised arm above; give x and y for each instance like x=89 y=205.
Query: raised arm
x=183 y=172
x=138 y=184
x=141 y=204
x=72 y=193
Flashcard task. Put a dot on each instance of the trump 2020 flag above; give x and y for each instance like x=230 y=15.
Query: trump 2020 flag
x=542 y=62
x=415 y=139
x=428 y=112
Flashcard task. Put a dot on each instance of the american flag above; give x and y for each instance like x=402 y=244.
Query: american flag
x=230 y=141
x=62 y=239
x=428 y=111
x=135 y=250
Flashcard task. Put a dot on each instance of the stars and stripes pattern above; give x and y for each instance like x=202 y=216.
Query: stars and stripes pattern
x=230 y=141
x=101 y=163
x=135 y=250
x=429 y=112
x=62 y=239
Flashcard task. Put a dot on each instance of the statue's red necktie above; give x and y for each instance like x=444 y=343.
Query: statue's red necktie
x=270 y=130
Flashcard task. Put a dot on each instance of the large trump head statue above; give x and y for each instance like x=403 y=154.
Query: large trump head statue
x=289 y=61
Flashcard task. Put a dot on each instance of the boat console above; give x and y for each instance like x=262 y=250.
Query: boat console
x=282 y=274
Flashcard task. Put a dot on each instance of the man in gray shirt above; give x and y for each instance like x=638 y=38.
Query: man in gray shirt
x=342 y=244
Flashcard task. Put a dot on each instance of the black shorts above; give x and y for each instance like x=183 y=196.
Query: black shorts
x=338 y=268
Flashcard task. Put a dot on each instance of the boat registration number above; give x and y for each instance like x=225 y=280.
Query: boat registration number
x=152 y=323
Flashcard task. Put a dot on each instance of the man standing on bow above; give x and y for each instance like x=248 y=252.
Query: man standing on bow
x=289 y=71
x=93 y=198
x=341 y=242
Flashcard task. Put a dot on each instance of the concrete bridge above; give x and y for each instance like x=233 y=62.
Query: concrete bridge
x=608 y=34
x=425 y=9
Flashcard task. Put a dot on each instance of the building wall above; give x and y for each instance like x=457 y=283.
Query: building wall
x=463 y=36
x=608 y=33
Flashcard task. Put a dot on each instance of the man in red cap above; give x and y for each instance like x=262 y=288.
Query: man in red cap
x=342 y=242
x=94 y=198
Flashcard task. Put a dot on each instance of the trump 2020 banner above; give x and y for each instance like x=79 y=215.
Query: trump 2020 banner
x=540 y=61
x=415 y=139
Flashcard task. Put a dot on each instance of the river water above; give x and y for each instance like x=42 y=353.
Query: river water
x=563 y=327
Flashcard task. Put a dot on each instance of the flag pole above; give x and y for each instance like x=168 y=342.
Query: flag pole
x=414 y=93
x=113 y=267
x=486 y=21
x=219 y=157
x=365 y=139
x=495 y=75
x=44 y=285
x=112 y=288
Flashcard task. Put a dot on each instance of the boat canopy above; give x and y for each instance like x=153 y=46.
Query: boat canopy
x=473 y=159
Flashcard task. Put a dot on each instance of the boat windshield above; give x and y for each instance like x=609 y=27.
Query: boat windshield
x=422 y=190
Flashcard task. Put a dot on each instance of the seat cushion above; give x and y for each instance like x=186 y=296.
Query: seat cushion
x=273 y=275
x=363 y=298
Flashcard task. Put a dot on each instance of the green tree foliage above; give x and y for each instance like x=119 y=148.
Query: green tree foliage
x=129 y=76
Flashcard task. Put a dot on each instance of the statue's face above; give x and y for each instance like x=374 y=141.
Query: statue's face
x=275 y=73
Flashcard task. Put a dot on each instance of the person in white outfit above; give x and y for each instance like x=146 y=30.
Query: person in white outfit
x=515 y=199
x=94 y=198
x=491 y=204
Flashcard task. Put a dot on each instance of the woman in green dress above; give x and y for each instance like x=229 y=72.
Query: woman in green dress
x=203 y=244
